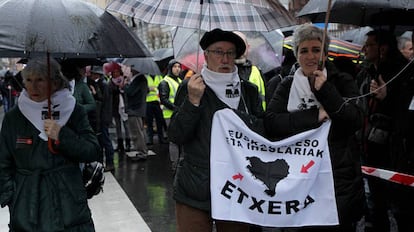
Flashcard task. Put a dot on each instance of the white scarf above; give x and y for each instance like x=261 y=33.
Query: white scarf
x=72 y=84
x=121 y=109
x=301 y=96
x=226 y=86
x=63 y=104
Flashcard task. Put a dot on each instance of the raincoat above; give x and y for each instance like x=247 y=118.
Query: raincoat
x=45 y=191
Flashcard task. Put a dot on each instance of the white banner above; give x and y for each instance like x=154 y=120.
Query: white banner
x=286 y=183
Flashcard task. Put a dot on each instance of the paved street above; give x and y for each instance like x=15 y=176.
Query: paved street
x=137 y=196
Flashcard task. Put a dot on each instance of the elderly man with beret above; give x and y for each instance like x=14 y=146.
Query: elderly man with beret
x=218 y=86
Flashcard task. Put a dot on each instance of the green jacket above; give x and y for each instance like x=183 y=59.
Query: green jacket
x=45 y=191
x=84 y=97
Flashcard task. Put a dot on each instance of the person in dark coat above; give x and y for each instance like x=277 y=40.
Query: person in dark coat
x=103 y=98
x=136 y=91
x=402 y=150
x=168 y=89
x=116 y=85
x=9 y=89
x=42 y=186
x=301 y=103
x=217 y=87
x=79 y=88
x=382 y=108
x=4 y=91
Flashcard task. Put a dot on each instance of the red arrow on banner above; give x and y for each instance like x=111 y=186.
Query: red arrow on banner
x=306 y=167
x=238 y=176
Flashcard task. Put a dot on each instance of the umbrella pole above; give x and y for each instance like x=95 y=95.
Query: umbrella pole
x=199 y=34
x=321 y=64
x=49 y=102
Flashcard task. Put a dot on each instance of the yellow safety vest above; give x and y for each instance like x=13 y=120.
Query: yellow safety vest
x=167 y=113
x=257 y=79
x=152 y=95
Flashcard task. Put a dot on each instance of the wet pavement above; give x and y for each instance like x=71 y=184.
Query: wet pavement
x=148 y=185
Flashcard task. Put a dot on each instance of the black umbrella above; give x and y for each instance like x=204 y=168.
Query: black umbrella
x=64 y=28
x=357 y=35
x=362 y=12
x=162 y=56
x=145 y=65
x=163 y=53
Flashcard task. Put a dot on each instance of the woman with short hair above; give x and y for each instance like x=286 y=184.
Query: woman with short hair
x=307 y=99
x=42 y=185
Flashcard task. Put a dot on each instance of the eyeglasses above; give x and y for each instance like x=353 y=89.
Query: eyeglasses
x=220 y=54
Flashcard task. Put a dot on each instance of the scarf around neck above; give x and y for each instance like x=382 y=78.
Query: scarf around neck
x=226 y=86
x=301 y=96
x=63 y=104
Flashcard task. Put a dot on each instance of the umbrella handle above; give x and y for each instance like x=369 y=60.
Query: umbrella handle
x=49 y=103
x=50 y=146
x=321 y=63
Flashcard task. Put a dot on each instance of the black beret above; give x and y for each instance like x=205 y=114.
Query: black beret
x=217 y=35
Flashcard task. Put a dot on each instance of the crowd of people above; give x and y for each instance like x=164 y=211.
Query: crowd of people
x=370 y=105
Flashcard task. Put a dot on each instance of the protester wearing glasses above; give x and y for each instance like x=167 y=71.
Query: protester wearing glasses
x=218 y=86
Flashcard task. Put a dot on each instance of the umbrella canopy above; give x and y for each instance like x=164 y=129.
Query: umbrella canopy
x=337 y=48
x=242 y=15
x=265 y=48
x=163 y=53
x=361 y=12
x=357 y=36
x=64 y=28
x=190 y=61
x=145 y=65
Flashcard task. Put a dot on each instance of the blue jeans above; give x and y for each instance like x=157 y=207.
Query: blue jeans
x=6 y=105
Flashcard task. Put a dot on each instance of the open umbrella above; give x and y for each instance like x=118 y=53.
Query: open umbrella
x=362 y=12
x=357 y=35
x=190 y=61
x=265 y=49
x=162 y=56
x=64 y=28
x=163 y=53
x=242 y=15
x=145 y=65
